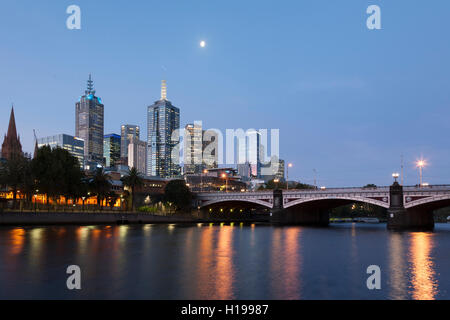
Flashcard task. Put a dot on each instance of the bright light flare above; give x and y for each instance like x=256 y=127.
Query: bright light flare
x=202 y=43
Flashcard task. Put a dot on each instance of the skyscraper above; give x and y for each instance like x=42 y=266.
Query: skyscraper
x=163 y=124
x=89 y=115
x=137 y=155
x=11 y=146
x=129 y=132
x=111 y=149
x=72 y=144
x=193 y=148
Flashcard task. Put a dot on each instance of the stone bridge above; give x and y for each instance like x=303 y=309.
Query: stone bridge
x=407 y=207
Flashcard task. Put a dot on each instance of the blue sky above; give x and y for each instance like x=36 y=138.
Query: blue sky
x=348 y=101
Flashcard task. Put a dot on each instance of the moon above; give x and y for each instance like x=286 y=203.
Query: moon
x=202 y=43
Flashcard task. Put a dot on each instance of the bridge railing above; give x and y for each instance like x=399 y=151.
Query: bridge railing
x=443 y=187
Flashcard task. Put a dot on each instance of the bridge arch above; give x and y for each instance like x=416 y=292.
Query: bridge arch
x=237 y=200
x=342 y=199
x=433 y=202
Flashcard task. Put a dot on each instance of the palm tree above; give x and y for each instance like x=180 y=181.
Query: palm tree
x=100 y=185
x=133 y=179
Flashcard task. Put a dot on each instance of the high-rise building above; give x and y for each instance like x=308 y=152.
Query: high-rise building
x=72 y=144
x=250 y=151
x=163 y=124
x=276 y=171
x=11 y=146
x=137 y=155
x=129 y=132
x=210 y=148
x=193 y=147
x=89 y=117
x=111 y=150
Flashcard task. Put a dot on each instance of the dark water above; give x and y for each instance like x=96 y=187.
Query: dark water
x=224 y=262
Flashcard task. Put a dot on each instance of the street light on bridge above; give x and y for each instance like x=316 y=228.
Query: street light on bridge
x=395 y=176
x=421 y=164
x=287 y=175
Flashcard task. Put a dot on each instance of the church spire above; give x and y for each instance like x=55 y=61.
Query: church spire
x=11 y=146
x=12 y=131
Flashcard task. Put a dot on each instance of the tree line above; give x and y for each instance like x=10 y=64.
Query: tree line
x=55 y=172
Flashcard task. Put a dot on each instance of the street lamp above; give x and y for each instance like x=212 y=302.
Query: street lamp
x=287 y=175
x=224 y=175
x=201 y=177
x=421 y=164
x=395 y=176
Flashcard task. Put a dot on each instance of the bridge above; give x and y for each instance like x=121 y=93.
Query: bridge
x=407 y=207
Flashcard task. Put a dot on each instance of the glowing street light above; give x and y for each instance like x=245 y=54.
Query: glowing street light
x=287 y=175
x=395 y=176
x=421 y=164
x=224 y=175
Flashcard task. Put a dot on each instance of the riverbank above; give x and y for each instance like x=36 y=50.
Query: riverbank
x=98 y=218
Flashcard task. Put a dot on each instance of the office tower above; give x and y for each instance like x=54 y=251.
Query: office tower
x=129 y=132
x=163 y=124
x=137 y=155
x=250 y=151
x=72 y=144
x=210 y=148
x=89 y=112
x=276 y=171
x=11 y=146
x=111 y=150
x=193 y=148
x=245 y=171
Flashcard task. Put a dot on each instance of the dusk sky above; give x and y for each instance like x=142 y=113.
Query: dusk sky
x=348 y=101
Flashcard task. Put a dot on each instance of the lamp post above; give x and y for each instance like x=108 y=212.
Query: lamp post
x=421 y=164
x=287 y=175
x=35 y=201
x=395 y=176
x=224 y=175
x=201 y=177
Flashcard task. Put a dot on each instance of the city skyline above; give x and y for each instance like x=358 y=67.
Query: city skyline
x=350 y=122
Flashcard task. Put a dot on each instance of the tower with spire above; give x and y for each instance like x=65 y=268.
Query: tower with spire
x=11 y=147
x=89 y=125
x=163 y=119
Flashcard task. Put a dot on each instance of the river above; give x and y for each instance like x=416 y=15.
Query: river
x=223 y=262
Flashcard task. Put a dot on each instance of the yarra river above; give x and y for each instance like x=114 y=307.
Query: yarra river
x=224 y=262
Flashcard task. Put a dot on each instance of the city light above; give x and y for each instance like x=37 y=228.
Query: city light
x=421 y=164
x=395 y=176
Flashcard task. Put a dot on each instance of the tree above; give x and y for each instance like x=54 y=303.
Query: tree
x=57 y=172
x=13 y=174
x=100 y=185
x=177 y=193
x=133 y=179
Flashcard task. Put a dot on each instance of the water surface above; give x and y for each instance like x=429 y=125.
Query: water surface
x=224 y=262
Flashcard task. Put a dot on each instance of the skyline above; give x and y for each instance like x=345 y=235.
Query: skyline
x=375 y=83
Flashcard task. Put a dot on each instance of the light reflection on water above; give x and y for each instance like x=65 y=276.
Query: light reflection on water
x=224 y=262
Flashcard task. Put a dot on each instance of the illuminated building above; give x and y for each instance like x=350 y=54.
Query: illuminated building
x=128 y=134
x=72 y=144
x=163 y=121
x=111 y=150
x=89 y=126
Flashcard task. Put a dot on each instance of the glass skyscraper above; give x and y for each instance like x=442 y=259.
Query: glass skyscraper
x=163 y=121
x=129 y=133
x=89 y=117
x=193 y=148
x=111 y=149
x=72 y=144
